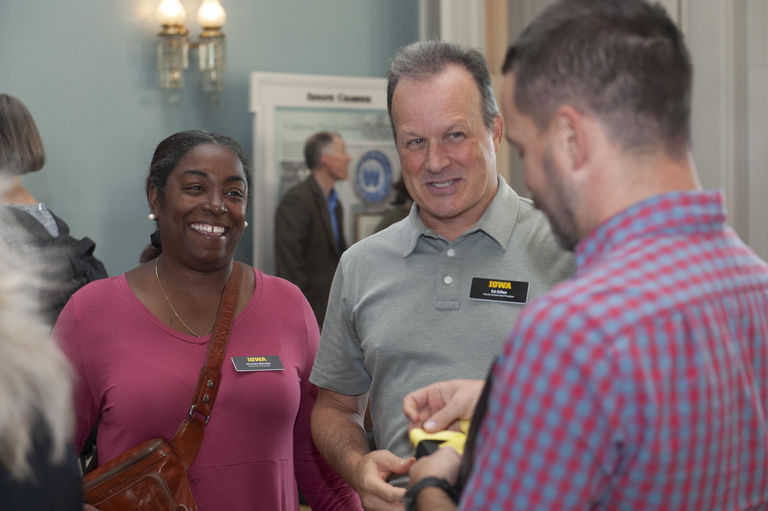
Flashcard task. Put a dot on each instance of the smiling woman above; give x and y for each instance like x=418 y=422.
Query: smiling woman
x=138 y=342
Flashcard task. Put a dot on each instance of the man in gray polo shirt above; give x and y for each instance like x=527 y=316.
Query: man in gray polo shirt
x=434 y=296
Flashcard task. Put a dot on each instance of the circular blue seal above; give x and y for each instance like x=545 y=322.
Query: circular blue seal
x=373 y=176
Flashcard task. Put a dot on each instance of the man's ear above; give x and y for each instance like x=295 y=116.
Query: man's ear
x=572 y=136
x=497 y=132
x=324 y=160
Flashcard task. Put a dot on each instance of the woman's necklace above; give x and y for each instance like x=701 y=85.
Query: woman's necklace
x=173 y=308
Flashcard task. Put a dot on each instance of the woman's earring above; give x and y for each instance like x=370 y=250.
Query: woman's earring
x=152 y=216
x=245 y=223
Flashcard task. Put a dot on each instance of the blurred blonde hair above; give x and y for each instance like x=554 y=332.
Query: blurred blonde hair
x=35 y=376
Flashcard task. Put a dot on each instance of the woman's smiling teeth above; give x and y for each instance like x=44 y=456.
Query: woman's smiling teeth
x=208 y=229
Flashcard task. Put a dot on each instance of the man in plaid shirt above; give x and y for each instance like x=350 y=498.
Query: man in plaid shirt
x=641 y=383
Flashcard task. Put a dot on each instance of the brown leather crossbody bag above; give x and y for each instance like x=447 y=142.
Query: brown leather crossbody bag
x=152 y=476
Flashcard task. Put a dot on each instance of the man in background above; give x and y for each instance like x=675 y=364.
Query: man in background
x=309 y=223
x=435 y=295
x=401 y=206
x=641 y=383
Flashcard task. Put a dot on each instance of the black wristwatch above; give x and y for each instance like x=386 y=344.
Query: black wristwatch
x=409 y=501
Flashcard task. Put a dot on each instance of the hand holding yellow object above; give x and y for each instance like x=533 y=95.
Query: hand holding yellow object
x=427 y=443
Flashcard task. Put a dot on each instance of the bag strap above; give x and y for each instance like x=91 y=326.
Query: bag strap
x=468 y=456
x=189 y=436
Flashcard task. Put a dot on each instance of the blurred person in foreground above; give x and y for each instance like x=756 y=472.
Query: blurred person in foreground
x=38 y=467
x=138 y=341
x=64 y=262
x=641 y=383
x=435 y=295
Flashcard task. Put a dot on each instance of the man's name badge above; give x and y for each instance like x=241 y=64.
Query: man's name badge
x=268 y=363
x=509 y=291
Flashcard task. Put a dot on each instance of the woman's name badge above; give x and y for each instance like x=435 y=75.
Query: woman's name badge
x=266 y=363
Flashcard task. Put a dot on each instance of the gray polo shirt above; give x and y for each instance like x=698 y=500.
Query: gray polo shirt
x=403 y=312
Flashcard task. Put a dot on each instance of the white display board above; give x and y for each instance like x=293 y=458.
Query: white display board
x=287 y=109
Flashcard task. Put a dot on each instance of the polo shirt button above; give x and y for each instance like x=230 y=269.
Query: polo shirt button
x=451 y=252
x=447 y=280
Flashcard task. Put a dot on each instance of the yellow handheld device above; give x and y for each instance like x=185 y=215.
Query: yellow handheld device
x=427 y=443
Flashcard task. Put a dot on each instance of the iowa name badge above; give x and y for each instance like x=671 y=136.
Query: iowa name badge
x=260 y=363
x=509 y=291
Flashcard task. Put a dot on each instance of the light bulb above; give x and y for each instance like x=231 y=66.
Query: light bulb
x=171 y=12
x=211 y=14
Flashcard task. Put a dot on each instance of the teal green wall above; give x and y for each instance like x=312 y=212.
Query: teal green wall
x=86 y=71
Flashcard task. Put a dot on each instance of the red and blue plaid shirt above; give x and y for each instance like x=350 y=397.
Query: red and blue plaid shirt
x=642 y=382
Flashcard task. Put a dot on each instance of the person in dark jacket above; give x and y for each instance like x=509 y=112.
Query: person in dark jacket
x=309 y=222
x=38 y=464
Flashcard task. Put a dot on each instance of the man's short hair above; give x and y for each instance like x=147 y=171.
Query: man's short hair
x=426 y=59
x=316 y=145
x=624 y=62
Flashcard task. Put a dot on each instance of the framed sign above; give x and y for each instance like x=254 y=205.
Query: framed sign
x=287 y=109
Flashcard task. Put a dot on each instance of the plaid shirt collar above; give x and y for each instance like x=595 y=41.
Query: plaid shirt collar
x=689 y=211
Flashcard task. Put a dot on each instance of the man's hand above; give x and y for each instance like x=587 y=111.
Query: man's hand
x=337 y=429
x=373 y=469
x=441 y=405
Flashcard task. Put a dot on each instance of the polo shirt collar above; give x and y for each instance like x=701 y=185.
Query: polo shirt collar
x=497 y=222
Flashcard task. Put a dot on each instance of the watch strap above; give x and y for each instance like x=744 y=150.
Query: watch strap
x=409 y=501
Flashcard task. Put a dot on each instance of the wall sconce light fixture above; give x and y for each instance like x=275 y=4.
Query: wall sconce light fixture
x=173 y=45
